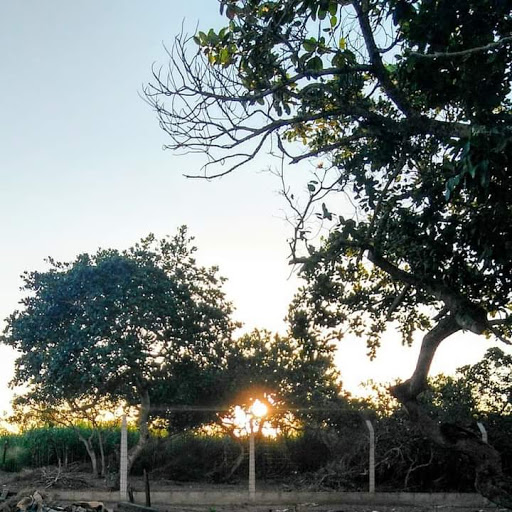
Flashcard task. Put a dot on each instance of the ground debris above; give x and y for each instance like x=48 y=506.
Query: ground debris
x=33 y=502
x=87 y=506
x=40 y=501
x=61 y=477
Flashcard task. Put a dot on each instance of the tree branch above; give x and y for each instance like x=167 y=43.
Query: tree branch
x=431 y=341
x=389 y=87
x=462 y=53
x=469 y=316
x=499 y=335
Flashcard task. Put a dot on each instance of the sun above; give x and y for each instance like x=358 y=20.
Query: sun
x=258 y=409
x=253 y=418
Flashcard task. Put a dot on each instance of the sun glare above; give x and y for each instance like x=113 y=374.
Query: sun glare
x=259 y=409
x=252 y=419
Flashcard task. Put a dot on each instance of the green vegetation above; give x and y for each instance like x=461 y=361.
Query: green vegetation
x=120 y=328
x=149 y=330
x=322 y=451
x=404 y=109
x=53 y=445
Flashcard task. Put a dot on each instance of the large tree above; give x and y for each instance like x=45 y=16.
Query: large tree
x=407 y=104
x=117 y=326
x=294 y=376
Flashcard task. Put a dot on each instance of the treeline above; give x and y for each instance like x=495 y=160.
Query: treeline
x=148 y=331
x=333 y=455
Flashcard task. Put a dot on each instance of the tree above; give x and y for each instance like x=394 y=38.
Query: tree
x=116 y=326
x=296 y=373
x=297 y=377
x=32 y=410
x=491 y=382
x=407 y=103
x=478 y=392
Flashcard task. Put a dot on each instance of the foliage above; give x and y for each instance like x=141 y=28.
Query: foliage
x=490 y=381
x=476 y=393
x=54 y=445
x=288 y=374
x=118 y=326
x=415 y=123
x=451 y=400
x=327 y=454
x=408 y=104
x=294 y=373
x=30 y=412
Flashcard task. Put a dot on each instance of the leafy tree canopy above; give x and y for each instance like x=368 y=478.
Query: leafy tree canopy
x=298 y=375
x=491 y=382
x=118 y=325
x=407 y=102
x=293 y=376
x=149 y=328
x=415 y=124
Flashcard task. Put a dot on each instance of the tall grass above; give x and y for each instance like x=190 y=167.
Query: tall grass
x=56 y=445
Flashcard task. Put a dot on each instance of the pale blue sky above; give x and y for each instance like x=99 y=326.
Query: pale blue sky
x=81 y=154
x=82 y=165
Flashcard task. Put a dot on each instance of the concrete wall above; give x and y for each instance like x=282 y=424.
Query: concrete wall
x=230 y=497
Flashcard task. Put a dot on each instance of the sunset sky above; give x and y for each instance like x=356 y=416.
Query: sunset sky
x=83 y=167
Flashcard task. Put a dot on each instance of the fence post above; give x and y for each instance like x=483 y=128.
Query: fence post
x=252 y=465
x=123 y=470
x=483 y=431
x=371 y=467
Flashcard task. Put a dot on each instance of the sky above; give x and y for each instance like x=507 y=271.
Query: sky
x=82 y=167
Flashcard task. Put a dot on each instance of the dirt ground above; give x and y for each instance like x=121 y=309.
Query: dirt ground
x=48 y=479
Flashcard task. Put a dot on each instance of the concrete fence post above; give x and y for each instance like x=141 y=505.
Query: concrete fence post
x=252 y=466
x=371 y=465
x=123 y=470
x=483 y=431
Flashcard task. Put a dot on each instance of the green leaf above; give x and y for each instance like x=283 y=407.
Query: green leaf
x=338 y=60
x=326 y=213
x=315 y=64
x=224 y=56
x=213 y=38
x=310 y=44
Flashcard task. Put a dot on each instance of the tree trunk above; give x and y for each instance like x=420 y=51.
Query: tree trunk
x=102 y=454
x=238 y=461
x=87 y=441
x=143 y=419
x=490 y=481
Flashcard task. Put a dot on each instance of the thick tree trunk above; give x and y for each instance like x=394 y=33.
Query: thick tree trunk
x=490 y=480
x=143 y=419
